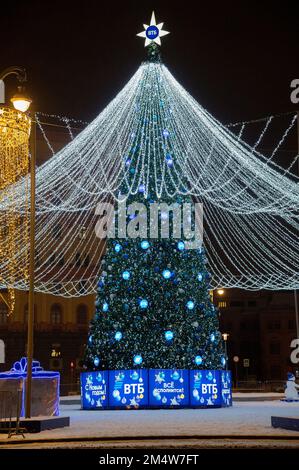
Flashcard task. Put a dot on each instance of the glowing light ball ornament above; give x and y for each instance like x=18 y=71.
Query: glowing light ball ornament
x=105 y=307
x=143 y=303
x=117 y=248
x=96 y=361
x=118 y=336
x=190 y=305
x=153 y=32
x=168 y=335
x=181 y=246
x=198 y=360
x=212 y=337
x=166 y=274
x=199 y=277
x=126 y=275
x=137 y=359
x=145 y=245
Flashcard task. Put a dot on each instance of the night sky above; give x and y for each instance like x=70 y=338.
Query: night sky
x=236 y=58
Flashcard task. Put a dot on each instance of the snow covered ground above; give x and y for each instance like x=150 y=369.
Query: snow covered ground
x=243 y=419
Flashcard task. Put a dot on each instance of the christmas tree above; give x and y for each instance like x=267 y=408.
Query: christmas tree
x=153 y=304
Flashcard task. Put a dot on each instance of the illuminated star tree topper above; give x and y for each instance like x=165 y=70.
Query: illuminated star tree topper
x=153 y=32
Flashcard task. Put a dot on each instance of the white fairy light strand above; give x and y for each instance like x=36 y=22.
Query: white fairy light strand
x=250 y=203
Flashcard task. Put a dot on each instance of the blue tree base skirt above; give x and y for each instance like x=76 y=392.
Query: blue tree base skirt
x=155 y=388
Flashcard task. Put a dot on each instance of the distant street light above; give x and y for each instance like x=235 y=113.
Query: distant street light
x=225 y=338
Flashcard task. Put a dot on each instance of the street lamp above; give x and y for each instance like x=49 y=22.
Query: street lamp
x=225 y=338
x=20 y=100
x=220 y=291
x=21 y=103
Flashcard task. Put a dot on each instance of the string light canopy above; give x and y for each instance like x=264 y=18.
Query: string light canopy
x=14 y=157
x=154 y=130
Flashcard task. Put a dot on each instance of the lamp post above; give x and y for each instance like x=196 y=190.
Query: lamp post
x=225 y=338
x=22 y=102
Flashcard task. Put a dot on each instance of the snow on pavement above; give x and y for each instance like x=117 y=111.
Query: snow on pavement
x=244 y=418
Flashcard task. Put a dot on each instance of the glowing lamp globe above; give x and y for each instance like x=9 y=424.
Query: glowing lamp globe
x=20 y=101
x=126 y=275
x=168 y=335
x=190 y=304
x=166 y=274
x=198 y=360
x=143 y=303
x=137 y=359
x=118 y=336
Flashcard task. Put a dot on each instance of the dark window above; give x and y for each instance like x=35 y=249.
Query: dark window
x=57 y=231
x=251 y=303
x=245 y=348
x=78 y=259
x=56 y=314
x=82 y=314
x=3 y=313
x=275 y=372
x=237 y=303
x=26 y=314
x=274 y=325
x=61 y=260
x=51 y=260
x=86 y=260
x=274 y=348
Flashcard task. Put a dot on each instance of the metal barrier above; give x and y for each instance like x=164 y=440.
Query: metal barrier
x=10 y=410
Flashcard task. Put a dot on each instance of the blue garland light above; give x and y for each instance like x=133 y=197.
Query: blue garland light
x=137 y=359
x=145 y=245
x=117 y=248
x=143 y=303
x=190 y=304
x=118 y=335
x=105 y=307
x=166 y=274
x=126 y=275
x=96 y=361
x=168 y=335
x=181 y=246
x=198 y=360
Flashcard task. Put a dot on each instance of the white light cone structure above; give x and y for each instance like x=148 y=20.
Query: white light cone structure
x=250 y=204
